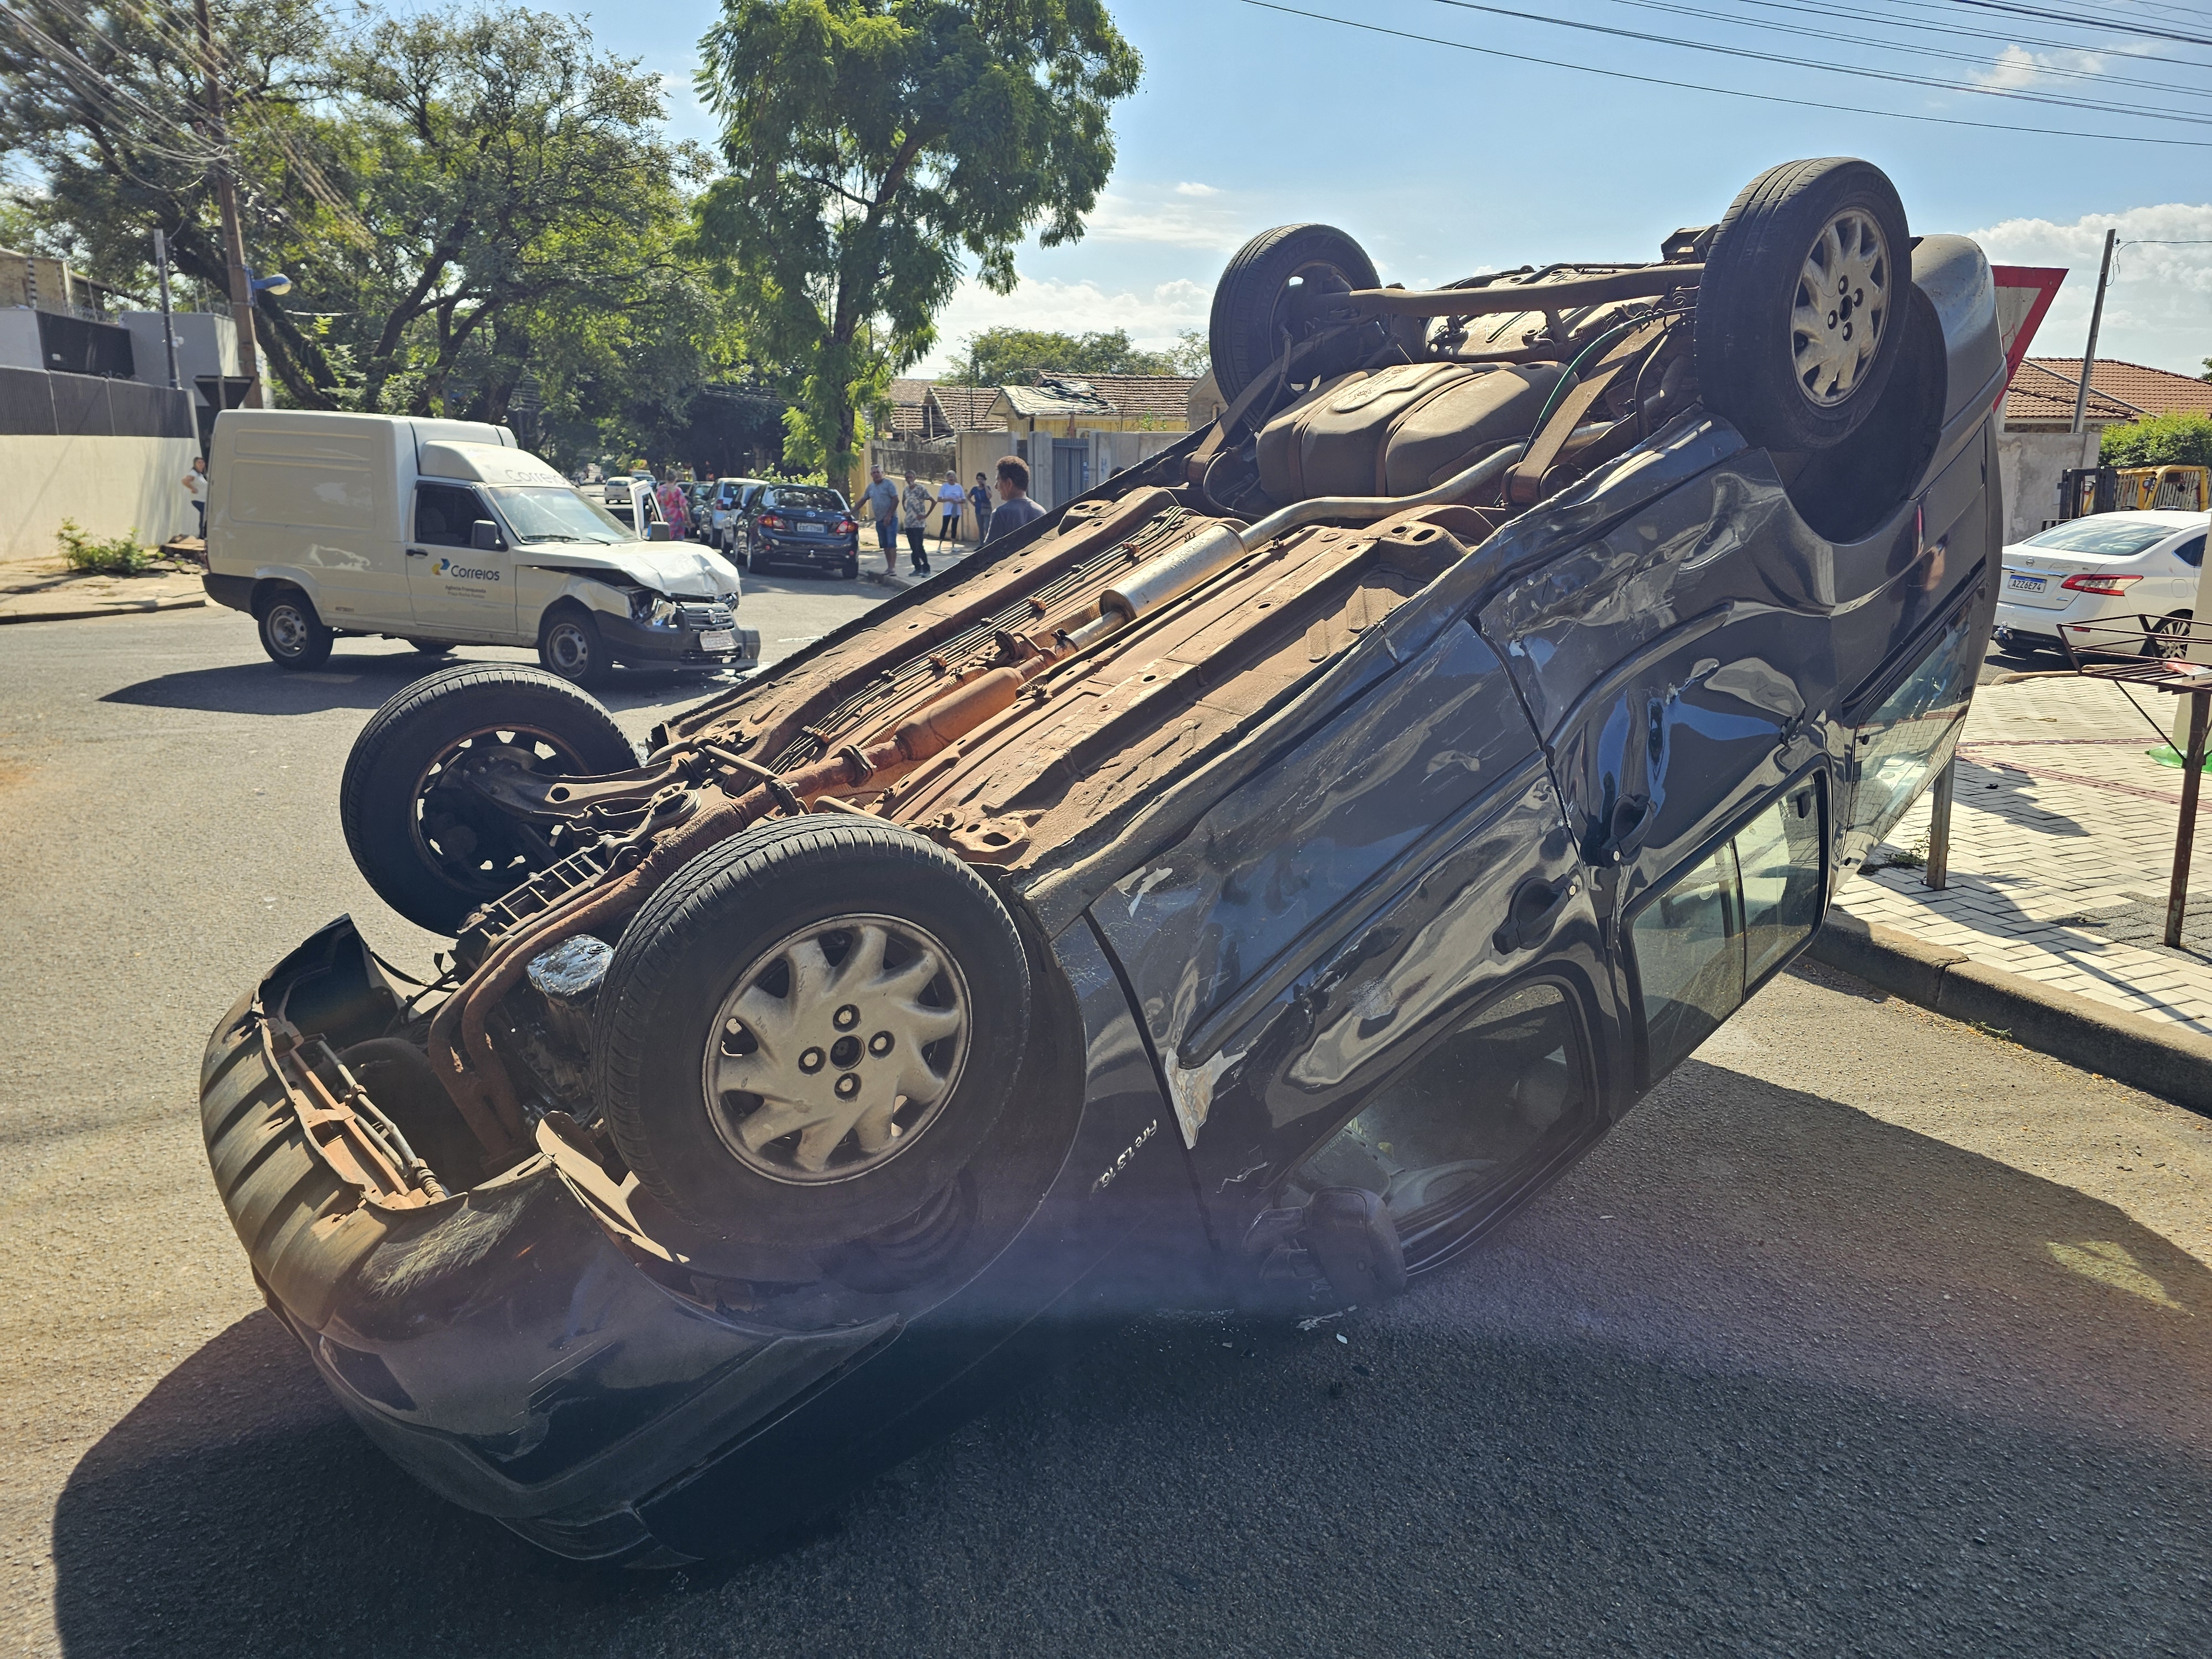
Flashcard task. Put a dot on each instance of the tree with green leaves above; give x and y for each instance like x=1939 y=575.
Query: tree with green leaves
x=870 y=144
x=1017 y=356
x=2159 y=441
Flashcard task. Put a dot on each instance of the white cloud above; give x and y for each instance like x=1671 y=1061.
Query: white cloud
x=1196 y=190
x=1185 y=215
x=1152 y=319
x=2159 y=309
x=2015 y=66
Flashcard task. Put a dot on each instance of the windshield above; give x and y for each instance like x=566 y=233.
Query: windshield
x=806 y=501
x=2114 y=538
x=542 y=512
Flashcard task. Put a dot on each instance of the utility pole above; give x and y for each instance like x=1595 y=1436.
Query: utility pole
x=233 y=238
x=168 y=313
x=2096 y=320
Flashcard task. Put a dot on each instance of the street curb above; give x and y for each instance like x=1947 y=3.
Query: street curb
x=144 y=608
x=884 y=578
x=2161 y=1059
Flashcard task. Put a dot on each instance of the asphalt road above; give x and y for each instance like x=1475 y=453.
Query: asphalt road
x=1867 y=1333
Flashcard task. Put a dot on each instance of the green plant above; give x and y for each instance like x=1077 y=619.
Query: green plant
x=2159 y=441
x=123 y=556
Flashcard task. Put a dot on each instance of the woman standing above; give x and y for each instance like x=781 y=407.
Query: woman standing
x=951 y=499
x=980 y=498
x=914 y=518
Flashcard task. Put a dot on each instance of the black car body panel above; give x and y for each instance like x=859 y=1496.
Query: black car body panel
x=1511 y=841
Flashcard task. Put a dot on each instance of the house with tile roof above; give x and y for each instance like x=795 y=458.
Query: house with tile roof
x=2037 y=444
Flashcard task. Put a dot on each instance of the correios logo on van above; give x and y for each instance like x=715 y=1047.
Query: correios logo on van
x=448 y=568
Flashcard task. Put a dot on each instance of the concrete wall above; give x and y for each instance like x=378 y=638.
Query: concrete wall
x=108 y=485
x=19 y=339
x=2031 y=463
x=206 y=345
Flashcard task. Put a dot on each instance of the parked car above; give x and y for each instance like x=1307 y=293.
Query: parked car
x=1249 y=884
x=635 y=504
x=2109 y=567
x=809 y=525
x=324 y=527
x=726 y=509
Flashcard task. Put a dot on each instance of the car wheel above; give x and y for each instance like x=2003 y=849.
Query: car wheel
x=852 y=569
x=1265 y=296
x=569 y=644
x=291 y=633
x=810 y=1029
x=432 y=849
x=2169 y=637
x=1801 y=311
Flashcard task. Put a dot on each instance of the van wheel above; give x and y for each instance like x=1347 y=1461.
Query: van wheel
x=1276 y=288
x=571 y=645
x=291 y=633
x=433 y=848
x=810 y=1029
x=1803 y=306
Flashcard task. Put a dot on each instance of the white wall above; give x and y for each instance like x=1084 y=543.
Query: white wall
x=108 y=485
x=2031 y=463
x=19 y=338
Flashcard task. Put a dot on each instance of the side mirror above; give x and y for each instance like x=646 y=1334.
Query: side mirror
x=658 y=532
x=484 y=536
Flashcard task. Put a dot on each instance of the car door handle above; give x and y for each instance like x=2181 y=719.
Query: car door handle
x=417 y=553
x=1534 y=910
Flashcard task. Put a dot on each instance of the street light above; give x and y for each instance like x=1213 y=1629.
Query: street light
x=279 y=283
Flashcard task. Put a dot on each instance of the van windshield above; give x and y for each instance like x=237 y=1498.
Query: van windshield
x=546 y=513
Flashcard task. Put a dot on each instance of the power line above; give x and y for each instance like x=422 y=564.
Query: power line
x=1724 y=92
x=1890 y=20
x=2051 y=16
x=2008 y=93
x=1979 y=59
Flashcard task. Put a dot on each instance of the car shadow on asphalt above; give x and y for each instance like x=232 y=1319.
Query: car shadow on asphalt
x=1762 y=1374
x=369 y=680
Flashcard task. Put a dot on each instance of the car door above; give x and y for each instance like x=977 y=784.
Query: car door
x=459 y=591
x=1339 y=913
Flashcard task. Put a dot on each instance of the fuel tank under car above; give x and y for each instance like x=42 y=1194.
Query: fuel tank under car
x=1216 y=891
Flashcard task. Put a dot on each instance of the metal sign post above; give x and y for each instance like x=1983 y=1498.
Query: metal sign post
x=168 y=315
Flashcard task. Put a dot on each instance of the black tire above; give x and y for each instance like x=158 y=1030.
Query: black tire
x=291 y=633
x=571 y=645
x=1791 y=375
x=1251 y=321
x=434 y=854
x=852 y=570
x=431 y=648
x=2169 y=637
x=726 y=922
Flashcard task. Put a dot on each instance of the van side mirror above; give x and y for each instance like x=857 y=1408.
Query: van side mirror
x=658 y=532
x=484 y=536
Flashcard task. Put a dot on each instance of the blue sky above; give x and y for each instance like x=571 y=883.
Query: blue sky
x=1445 y=162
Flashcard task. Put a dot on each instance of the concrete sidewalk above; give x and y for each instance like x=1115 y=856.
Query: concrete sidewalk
x=46 y=590
x=2061 y=843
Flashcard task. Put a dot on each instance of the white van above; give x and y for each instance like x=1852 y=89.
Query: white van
x=445 y=533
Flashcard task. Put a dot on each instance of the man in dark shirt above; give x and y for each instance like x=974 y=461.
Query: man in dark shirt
x=1015 y=508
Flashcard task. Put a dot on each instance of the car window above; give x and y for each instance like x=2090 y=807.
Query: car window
x=2192 y=552
x=1708 y=938
x=541 y=513
x=1460 y=1120
x=2104 y=533
x=445 y=514
x=1898 y=747
x=806 y=501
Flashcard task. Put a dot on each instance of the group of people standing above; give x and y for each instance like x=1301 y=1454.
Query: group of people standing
x=908 y=510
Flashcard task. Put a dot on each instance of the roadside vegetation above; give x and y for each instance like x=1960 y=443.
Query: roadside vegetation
x=118 y=555
x=2159 y=441
x=483 y=217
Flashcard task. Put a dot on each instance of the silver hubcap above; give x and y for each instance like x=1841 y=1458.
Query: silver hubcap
x=567 y=647
x=837 y=1048
x=1843 y=302
x=287 y=630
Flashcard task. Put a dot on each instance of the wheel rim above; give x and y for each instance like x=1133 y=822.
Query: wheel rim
x=473 y=844
x=569 y=647
x=837 y=1048
x=2169 y=639
x=1842 y=306
x=288 y=629
x=1295 y=306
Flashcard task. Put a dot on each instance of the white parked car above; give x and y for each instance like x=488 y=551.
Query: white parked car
x=445 y=533
x=2109 y=567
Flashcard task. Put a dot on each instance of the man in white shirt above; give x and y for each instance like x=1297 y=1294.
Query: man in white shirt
x=951 y=501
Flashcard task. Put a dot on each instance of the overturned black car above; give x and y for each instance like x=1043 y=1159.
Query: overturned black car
x=1252 y=881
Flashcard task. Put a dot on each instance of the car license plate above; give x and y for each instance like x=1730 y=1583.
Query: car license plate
x=2020 y=584
x=722 y=639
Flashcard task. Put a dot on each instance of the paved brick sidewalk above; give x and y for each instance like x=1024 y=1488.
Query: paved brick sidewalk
x=2062 y=842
